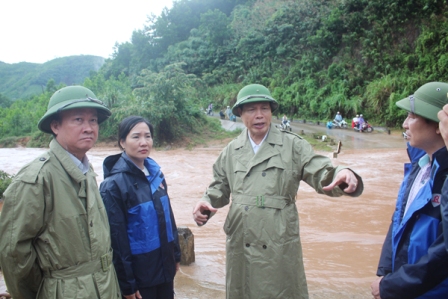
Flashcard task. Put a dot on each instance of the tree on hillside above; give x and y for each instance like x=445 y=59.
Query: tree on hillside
x=4 y=101
x=169 y=99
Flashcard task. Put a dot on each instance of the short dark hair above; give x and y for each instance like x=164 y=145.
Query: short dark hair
x=127 y=124
x=57 y=118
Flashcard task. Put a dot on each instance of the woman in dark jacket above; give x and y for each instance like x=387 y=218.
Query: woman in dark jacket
x=144 y=234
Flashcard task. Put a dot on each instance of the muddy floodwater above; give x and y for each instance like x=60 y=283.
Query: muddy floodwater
x=341 y=237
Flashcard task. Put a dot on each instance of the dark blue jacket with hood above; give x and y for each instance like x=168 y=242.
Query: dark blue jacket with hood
x=414 y=261
x=143 y=230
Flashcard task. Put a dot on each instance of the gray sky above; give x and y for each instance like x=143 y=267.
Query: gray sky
x=41 y=30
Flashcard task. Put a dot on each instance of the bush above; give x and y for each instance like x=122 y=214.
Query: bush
x=5 y=181
x=40 y=140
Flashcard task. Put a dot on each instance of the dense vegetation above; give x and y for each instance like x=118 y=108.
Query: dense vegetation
x=21 y=80
x=5 y=181
x=316 y=56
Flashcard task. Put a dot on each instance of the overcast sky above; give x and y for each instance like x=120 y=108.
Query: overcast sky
x=41 y=30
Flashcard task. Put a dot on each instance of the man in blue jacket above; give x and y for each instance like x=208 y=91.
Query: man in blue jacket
x=414 y=261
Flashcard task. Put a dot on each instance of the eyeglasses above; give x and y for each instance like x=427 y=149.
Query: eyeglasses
x=411 y=101
x=88 y=99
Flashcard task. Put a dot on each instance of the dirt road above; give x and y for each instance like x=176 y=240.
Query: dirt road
x=341 y=237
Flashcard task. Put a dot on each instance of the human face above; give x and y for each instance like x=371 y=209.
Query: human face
x=422 y=134
x=257 y=119
x=77 y=130
x=138 y=144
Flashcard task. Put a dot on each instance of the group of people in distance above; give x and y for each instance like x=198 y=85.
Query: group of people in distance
x=63 y=237
x=358 y=121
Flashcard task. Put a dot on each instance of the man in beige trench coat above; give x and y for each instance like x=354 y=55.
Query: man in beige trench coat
x=262 y=169
x=55 y=238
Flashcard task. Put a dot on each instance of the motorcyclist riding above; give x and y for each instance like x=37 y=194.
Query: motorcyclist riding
x=361 y=122
x=338 y=117
x=284 y=120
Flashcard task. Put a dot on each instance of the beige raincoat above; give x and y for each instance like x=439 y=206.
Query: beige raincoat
x=264 y=253
x=55 y=238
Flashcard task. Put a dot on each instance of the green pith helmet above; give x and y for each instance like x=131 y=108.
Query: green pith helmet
x=71 y=97
x=427 y=101
x=253 y=93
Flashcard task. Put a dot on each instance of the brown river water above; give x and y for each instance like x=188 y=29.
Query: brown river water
x=341 y=237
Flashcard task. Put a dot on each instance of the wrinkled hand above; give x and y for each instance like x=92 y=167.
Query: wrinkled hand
x=199 y=215
x=443 y=125
x=375 y=287
x=134 y=296
x=344 y=176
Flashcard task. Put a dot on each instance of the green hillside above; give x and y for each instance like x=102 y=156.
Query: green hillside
x=316 y=56
x=21 y=80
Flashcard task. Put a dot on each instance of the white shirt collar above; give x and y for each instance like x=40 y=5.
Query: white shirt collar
x=255 y=146
x=82 y=165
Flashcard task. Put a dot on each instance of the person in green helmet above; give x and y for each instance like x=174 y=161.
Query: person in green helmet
x=55 y=233
x=261 y=170
x=414 y=261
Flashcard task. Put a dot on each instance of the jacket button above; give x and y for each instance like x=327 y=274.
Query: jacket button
x=247 y=245
x=263 y=174
x=248 y=174
x=91 y=223
x=264 y=247
x=42 y=159
x=246 y=208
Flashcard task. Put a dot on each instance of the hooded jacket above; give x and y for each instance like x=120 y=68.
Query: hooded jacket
x=264 y=253
x=55 y=239
x=143 y=230
x=413 y=260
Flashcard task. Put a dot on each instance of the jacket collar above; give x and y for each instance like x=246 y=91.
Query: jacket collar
x=274 y=137
x=122 y=163
x=244 y=152
x=62 y=155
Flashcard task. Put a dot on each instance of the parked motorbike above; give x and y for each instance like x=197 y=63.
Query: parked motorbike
x=366 y=127
x=286 y=126
x=339 y=124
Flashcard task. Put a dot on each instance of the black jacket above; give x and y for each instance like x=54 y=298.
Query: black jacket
x=143 y=230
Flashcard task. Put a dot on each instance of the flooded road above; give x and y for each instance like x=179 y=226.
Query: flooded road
x=341 y=237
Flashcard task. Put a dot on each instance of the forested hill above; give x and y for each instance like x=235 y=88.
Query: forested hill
x=316 y=56
x=21 y=80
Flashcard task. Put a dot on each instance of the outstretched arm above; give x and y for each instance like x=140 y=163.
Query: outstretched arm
x=344 y=178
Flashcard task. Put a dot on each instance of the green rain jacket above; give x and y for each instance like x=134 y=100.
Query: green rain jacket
x=263 y=249
x=55 y=238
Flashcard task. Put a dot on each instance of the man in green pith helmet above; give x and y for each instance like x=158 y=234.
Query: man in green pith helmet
x=413 y=261
x=55 y=238
x=262 y=169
